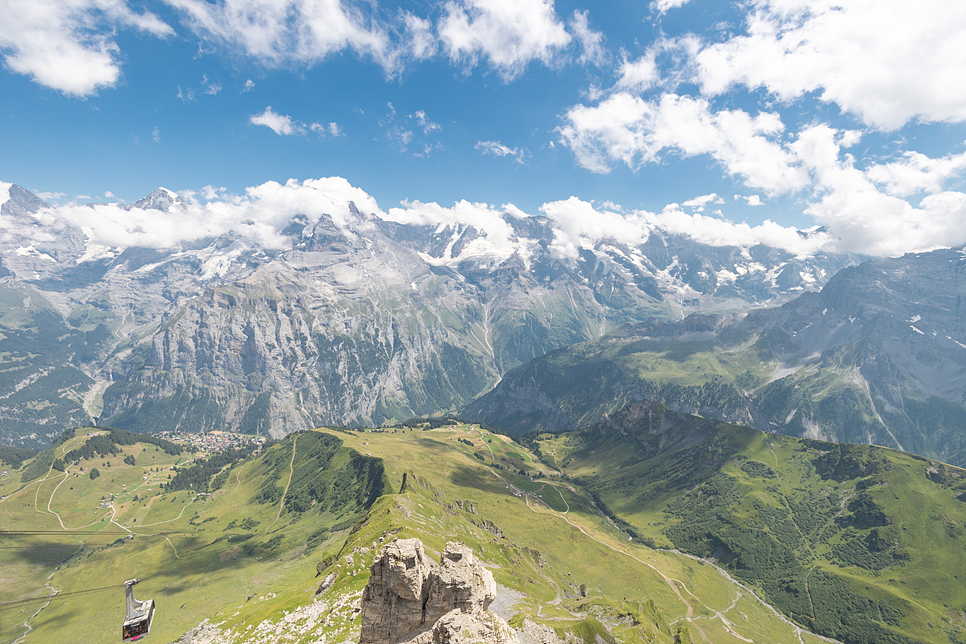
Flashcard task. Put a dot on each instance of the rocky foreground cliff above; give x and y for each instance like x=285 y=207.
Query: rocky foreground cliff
x=410 y=600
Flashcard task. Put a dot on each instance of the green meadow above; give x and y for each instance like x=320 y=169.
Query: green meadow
x=248 y=548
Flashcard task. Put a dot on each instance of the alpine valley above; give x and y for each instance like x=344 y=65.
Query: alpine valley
x=329 y=423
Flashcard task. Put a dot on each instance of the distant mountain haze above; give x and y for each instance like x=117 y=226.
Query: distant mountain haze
x=302 y=305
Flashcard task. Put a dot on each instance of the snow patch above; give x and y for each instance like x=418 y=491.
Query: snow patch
x=219 y=264
x=915 y=318
x=30 y=251
x=94 y=251
x=913 y=327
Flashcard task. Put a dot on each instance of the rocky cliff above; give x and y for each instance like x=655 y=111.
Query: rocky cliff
x=411 y=600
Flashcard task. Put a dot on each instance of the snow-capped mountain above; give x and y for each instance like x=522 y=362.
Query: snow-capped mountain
x=273 y=315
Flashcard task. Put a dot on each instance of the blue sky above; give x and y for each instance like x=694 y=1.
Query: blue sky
x=850 y=115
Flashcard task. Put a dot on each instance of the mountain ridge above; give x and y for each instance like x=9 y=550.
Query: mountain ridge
x=878 y=356
x=383 y=319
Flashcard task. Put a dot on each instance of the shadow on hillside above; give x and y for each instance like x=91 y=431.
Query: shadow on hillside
x=42 y=552
x=477 y=478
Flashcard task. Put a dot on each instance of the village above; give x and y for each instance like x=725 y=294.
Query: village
x=210 y=442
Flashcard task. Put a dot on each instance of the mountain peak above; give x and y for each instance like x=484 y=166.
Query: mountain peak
x=161 y=199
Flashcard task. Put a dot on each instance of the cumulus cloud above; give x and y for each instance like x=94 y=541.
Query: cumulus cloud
x=865 y=219
x=497 y=149
x=886 y=61
x=156 y=134
x=638 y=75
x=258 y=216
x=916 y=172
x=579 y=224
x=281 y=124
x=248 y=86
x=509 y=35
x=69 y=45
x=625 y=128
x=751 y=200
x=498 y=238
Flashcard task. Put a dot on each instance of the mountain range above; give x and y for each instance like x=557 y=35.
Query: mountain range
x=877 y=356
x=346 y=317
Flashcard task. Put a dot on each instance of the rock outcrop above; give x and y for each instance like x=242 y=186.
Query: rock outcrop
x=413 y=601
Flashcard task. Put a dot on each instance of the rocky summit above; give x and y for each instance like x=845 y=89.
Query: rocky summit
x=411 y=600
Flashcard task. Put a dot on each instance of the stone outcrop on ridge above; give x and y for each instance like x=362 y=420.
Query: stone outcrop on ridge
x=411 y=600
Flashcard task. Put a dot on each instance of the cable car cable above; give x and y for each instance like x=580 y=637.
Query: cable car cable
x=31 y=600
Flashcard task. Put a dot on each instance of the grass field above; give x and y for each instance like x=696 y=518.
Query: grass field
x=250 y=566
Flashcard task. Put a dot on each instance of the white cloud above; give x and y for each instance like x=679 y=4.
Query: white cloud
x=50 y=196
x=427 y=125
x=258 y=217
x=248 y=86
x=625 y=128
x=498 y=238
x=916 y=173
x=578 y=224
x=699 y=203
x=109 y=195
x=663 y=6
x=640 y=74
x=886 y=61
x=751 y=200
x=281 y=124
x=591 y=42
x=278 y=32
x=334 y=130
x=209 y=87
x=403 y=130
x=866 y=220
x=156 y=134
x=419 y=34
x=510 y=34
x=69 y=45
x=497 y=149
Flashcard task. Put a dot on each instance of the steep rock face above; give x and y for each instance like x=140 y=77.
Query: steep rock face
x=409 y=599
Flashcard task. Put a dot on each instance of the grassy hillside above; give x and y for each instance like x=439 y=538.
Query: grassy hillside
x=859 y=543
x=250 y=550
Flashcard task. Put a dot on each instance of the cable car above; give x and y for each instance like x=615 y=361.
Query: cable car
x=140 y=614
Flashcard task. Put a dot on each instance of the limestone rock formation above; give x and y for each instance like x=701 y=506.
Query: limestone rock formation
x=413 y=601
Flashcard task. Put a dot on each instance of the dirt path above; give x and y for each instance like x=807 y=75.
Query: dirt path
x=291 y=472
